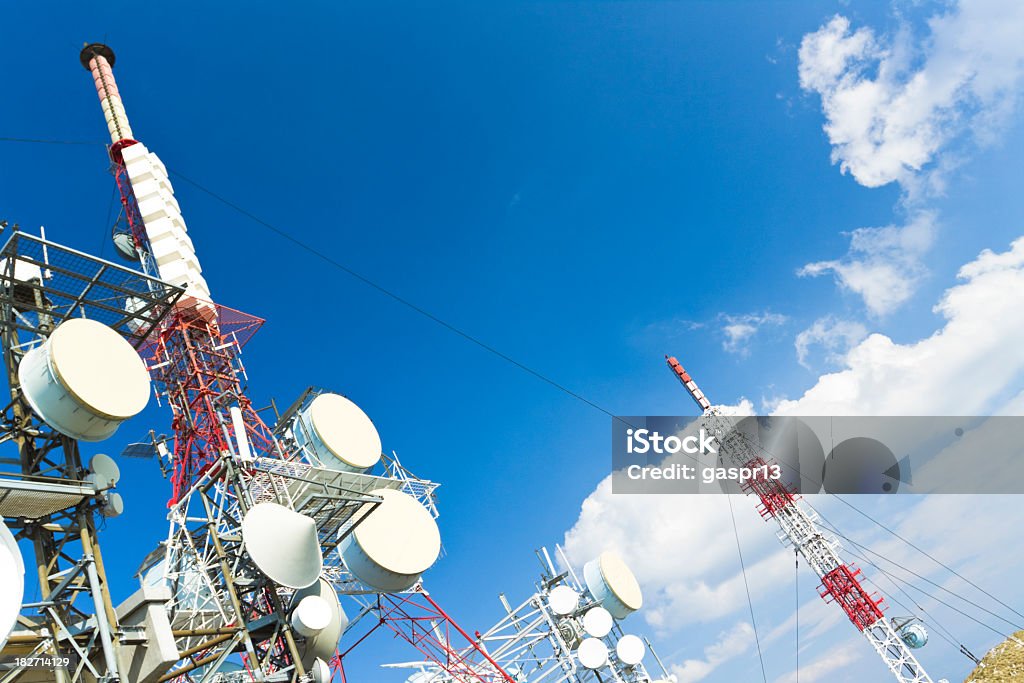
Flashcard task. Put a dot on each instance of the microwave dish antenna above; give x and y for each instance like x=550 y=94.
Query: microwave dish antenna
x=563 y=600
x=322 y=644
x=630 y=649
x=339 y=434
x=84 y=380
x=283 y=544
x=103 y=472
x=592 y=653
x=613 y=584
x=598 y=622
x=396 y=542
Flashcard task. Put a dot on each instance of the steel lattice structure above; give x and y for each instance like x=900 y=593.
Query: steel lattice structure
x=416 y=618
x=839 y=581
x=532 y=643
x=225 y=458
x=50 y=500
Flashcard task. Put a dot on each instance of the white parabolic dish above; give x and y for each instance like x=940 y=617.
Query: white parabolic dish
x=283 y=544
x=84 y=380
x=12 y=582
x=593 y=653
x=597 y=622
x=630 y=649
x=311 y=615
x=323 y=643
x=394 y=545
x=563 y=600
x=613 y=585
x=342 y=435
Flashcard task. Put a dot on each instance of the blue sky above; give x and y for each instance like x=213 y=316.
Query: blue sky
x=585 y=186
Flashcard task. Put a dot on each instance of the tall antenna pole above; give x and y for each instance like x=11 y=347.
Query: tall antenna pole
x=196 y=366
x=840 y=582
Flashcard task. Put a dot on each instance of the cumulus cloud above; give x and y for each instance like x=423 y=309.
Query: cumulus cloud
x=823 y=668
x=884 y=264
x=896 y=107
x=961 y=369
x=730 y=645
x=835 y=336
x=891 y=103
x=739 y=330
x=682 y=588
x=971 y=365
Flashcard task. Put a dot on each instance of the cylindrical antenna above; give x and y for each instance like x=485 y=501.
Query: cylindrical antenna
x=241 y=439
x=99 y=59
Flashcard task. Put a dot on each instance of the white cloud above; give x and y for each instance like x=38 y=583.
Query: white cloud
x=730 y=645
x=835 y=336
x=682 y=547
x=884 y=264
x=896 y=107
x=961 y=369
x=824 y=667
x=682 y=588
x=891 y=103
x=739 y=330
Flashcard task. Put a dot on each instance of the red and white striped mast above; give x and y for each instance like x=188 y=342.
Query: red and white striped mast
x=840 y=582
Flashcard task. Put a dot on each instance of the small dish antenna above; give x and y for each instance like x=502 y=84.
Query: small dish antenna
x=320 y=672
x=597 y=622
x=84 y=380
x=283 y=544
x=322 y=644
x=124 y=245
x=112 y=506
x=311 y=616
x=563 y=600
x=103 y=472
x=914 y=635
x=12 y=579
x=613 y=585
x=593 y=653
x=630 y=650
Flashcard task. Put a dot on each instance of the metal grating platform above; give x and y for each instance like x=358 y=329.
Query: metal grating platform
x=28 y=499
x=46 y=283
x=329 y=497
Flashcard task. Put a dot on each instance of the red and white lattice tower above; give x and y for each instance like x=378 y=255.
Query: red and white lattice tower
x=195 y=359
x=840 y=582
x=197 y=349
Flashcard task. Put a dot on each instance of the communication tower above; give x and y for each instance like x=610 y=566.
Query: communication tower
x=244 y=491
x=840 y=582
